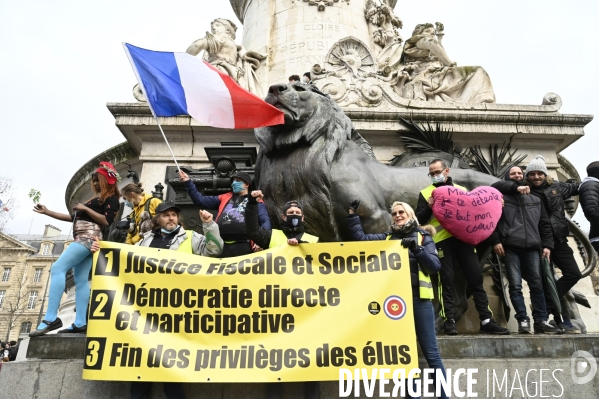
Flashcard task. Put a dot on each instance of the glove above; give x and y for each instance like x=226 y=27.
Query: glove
x=410 y=243
x=354 y=205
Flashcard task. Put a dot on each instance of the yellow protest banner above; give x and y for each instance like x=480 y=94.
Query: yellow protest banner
x=292 y=313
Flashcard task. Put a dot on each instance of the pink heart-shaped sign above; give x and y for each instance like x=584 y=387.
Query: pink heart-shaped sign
x=469 y=216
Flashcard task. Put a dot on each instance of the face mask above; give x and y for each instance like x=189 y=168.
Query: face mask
x=304 y=79
x=129 y=203
x=165 y=231
x=294 y=221
x=438 y=179
x=237 y=186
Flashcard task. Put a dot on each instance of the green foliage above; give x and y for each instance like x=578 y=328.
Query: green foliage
x=429 y=139
x=500 y=160
x=35 y=195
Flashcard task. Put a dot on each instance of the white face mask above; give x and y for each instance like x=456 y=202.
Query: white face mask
x=304 y=79
x=438 y=179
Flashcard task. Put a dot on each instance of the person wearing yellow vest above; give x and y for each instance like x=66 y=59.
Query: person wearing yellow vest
x=292 y=225
x=144 y=209
x=423 y=262
x=168 y=233
x=291 y=233
x=454 y=252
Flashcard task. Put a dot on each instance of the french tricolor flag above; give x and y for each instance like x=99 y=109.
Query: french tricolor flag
x=181 y=84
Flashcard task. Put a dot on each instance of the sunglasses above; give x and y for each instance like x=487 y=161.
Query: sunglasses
x=398 y=213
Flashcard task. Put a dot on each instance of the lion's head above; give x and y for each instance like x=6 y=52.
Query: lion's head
x=309 y=115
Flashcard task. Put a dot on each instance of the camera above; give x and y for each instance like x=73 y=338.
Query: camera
x=125 y=224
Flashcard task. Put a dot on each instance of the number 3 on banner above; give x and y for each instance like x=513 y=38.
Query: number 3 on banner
x=94 y=353
x=108 y=263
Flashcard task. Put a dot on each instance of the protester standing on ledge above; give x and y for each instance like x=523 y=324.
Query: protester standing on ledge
x=521 y=234
x=552 y=194
x=231 y=212
x=589 y=200
x=144 y=209
x=452 y=251
x=291 y=233
x=424 y=261
x=89 y=219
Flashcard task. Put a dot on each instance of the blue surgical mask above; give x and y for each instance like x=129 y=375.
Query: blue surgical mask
x=165 y=231
x=440 y=178
x=237 y=186
x=129 y=204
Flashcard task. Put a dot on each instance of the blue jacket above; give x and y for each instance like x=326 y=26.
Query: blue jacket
x=426 y=258
x=218 y=202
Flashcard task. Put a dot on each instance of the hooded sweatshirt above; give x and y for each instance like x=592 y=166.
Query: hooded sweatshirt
x=589 y=200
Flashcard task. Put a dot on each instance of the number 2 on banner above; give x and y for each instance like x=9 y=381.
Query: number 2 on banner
x=94 y=353
x=108 y=263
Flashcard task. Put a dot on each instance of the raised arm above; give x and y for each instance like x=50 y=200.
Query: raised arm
x=255 y=231
x=41 y=209
x=203 y=201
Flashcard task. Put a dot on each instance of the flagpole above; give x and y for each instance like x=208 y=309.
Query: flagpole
x=143 y=89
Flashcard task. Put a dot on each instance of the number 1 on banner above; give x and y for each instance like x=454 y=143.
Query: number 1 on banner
x=108 y=263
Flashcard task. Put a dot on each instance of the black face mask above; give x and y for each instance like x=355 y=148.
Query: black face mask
x=294 y=222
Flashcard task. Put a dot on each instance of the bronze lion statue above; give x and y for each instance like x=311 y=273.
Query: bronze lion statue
x=319 y=159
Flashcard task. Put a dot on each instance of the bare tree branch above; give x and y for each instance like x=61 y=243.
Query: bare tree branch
x=9 y=202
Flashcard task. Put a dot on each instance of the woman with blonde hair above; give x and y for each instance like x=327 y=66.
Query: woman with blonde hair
x=424 y=261
x=88 y=220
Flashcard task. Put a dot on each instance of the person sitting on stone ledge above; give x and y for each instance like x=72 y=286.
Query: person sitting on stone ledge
x=231 y=212
x=424 y=261
x=88 y=221
x=589 y=200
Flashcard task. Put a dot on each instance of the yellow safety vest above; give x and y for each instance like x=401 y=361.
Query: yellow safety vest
x=442 y=234
x=278 y=238
x=425 y=286
x=185 y=246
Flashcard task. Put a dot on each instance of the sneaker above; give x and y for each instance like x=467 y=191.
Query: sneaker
x=50 y=326
x=568 y=328
x=450 y=328
x=493 y=328
x=542 y=327
x=524 y=327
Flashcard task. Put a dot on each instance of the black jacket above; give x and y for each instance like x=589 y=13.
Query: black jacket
x=553 y=194
x=524 y=224
x=426 y=257
x=424 y=213
x=589 y=200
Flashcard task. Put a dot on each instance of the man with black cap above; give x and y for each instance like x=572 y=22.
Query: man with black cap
x=291 y=233
x=521 y=234
x=553 y=193
x=231 y=212
x=168 y=233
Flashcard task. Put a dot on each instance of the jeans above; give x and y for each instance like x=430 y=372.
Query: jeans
x=424 y=321
x=78 y=258
x=526 y=264
x=141 y=390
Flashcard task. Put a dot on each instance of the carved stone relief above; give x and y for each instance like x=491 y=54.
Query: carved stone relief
x=322 y=4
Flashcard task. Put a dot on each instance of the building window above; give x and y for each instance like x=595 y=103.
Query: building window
x=2 y=295
x=25 y=327
x=37 y=277
x=32 y=300
x=6 y=274
x=45 y=249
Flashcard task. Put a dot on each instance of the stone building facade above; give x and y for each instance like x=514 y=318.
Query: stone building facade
x=25 y=261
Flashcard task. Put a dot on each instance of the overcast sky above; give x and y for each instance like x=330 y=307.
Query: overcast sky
x=62 y=61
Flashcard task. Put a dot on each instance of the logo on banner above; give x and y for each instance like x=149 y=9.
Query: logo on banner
x=395 y=307
x=374 y=308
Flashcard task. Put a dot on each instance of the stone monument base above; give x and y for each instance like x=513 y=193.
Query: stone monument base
x=519 y=358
